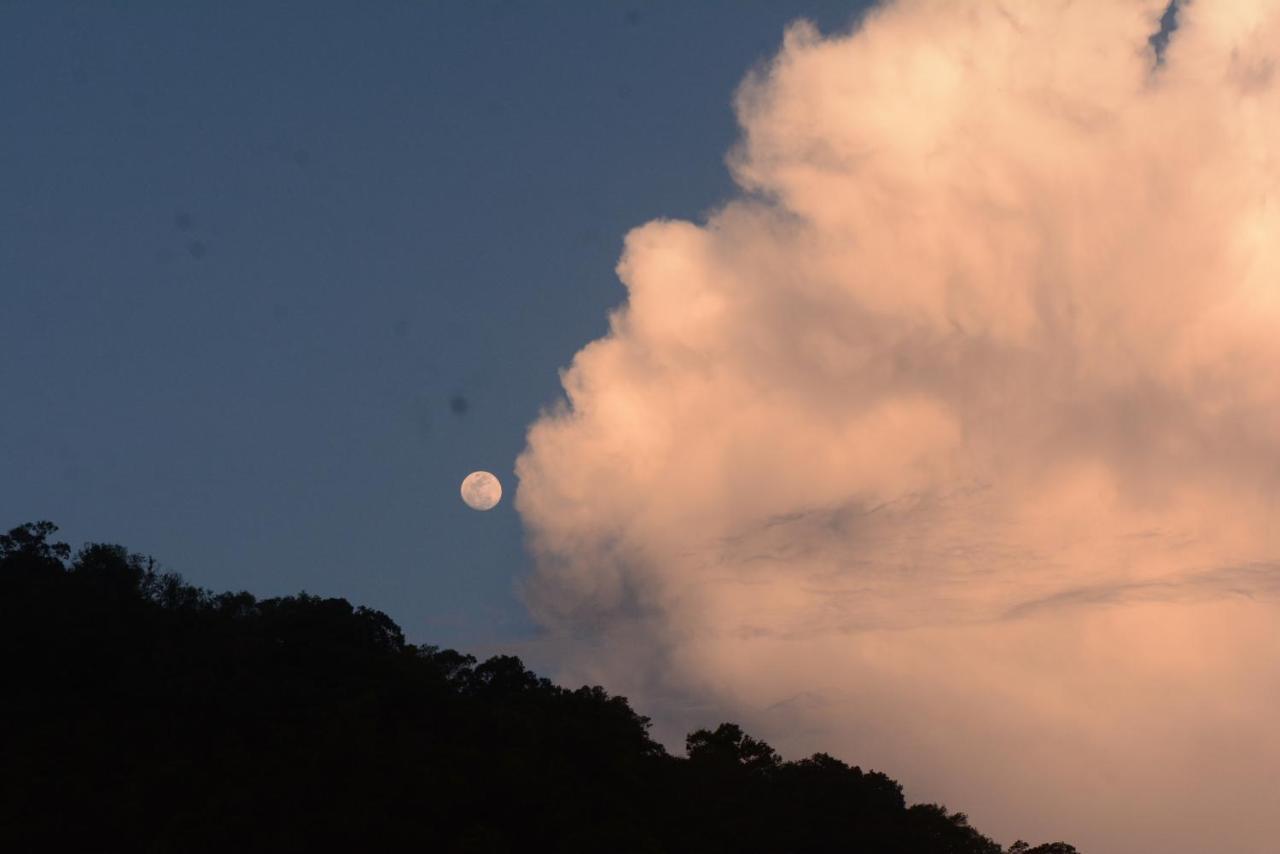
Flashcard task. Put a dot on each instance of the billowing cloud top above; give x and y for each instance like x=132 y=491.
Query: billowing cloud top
x=953 y=443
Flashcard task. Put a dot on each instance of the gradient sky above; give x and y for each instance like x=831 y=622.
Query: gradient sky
x=276 y=276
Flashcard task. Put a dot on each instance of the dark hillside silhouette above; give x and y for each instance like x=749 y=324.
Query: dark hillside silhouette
x=140 y=713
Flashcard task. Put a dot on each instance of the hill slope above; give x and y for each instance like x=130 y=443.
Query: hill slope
x=143 y=714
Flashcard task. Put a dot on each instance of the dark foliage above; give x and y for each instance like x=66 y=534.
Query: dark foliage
x=140 y=713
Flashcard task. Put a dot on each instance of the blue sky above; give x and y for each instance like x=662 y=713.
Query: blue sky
x=275 y=276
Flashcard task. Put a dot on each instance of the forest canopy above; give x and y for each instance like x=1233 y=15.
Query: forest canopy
x=142 y=713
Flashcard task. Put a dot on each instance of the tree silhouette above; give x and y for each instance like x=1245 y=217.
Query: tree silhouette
x=141 y=713
x=1021 y=847
x=728 y=747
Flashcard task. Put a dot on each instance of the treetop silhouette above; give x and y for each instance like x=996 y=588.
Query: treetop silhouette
x=146 y=714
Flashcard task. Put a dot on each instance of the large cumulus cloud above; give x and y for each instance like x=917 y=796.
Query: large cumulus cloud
x=953 y=443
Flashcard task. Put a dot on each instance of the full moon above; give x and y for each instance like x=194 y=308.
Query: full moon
x=481 y=490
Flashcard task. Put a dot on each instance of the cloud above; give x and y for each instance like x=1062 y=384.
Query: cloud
x=952 y=444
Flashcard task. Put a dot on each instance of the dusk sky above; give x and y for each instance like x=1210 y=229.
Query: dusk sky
x=277 y=276
x=899 y=382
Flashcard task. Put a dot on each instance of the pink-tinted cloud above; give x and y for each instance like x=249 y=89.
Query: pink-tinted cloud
x=952 y=445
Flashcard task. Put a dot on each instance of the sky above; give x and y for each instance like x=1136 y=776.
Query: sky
x=900 y=386
x=276 y=276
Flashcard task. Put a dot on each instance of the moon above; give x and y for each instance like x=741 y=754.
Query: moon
x=481 y=490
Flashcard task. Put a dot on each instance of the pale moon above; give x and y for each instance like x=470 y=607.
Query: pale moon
x=481 y=490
